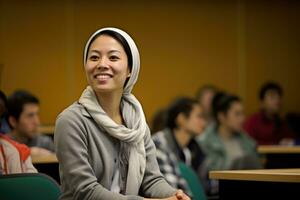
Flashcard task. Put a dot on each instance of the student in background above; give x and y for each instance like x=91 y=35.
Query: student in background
x=14 y=157
x=176 y=142
x=204 y=96
x=4 y=127
x=224 y=144
x=266 y=126
x=158 y=122
x=23 y=116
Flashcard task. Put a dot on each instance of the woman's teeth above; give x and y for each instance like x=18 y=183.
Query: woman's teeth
x=103 y=77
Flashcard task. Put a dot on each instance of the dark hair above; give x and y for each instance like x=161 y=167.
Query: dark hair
x=270 y=86
x=180 y=105
x=158 y=122
x=120 y=39
x=203 y=89
x=17 y=101
x=222 y=102
x=4 y=99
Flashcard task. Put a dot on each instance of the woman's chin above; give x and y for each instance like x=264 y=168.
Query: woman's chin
x=103 y=88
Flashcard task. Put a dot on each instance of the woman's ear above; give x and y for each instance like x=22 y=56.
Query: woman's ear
x=221 y=117
x=180 y=120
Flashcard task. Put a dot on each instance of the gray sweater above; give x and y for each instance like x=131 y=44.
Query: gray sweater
x=87 y=158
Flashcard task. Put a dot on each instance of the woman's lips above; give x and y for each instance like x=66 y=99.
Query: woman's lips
x=102 y=77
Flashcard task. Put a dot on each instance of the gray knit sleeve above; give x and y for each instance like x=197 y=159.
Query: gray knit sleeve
x=154 y=184
x=77 y=176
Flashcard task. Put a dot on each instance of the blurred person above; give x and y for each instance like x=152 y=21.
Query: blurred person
x=176 y=142
x=158 y=122
x=204 y=96
x=266 y=126
x=4 y=127
x=23 y=117
x=224 y=144
x=14 y=157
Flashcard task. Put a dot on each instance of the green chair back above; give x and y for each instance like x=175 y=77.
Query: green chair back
x=33 y=186
x=193 y=181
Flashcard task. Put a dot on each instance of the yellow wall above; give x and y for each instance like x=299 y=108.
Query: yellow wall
x=236 y=45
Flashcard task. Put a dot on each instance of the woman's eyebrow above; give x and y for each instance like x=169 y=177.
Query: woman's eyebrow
x=111 y=51
x=96 y=51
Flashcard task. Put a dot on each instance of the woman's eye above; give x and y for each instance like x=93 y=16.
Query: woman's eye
x=113 y=58
x=94 y=58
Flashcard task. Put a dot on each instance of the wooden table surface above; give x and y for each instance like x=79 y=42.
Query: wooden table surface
x=44 y=159
x=278 y=149
x=47 y=129
x=273 y=175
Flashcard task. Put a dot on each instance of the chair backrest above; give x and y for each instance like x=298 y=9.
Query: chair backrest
x=193 y=181
x=33 y=186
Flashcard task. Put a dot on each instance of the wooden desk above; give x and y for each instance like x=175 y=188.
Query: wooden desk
x=278 y=156
x=47 y=129
x=273 y=175
x=44 y=159
x=257 y=184
x=278 y=149
x=47 y=165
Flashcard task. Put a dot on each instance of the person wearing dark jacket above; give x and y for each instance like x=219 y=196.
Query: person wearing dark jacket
x=176 y=142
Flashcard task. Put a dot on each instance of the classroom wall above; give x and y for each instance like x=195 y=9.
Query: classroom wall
x=235 y=45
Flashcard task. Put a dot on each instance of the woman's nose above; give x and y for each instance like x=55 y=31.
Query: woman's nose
x=103 y=63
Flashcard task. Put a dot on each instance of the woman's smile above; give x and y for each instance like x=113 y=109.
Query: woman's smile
x=103 y=77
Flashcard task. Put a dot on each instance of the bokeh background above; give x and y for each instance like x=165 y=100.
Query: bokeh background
x=236 y=45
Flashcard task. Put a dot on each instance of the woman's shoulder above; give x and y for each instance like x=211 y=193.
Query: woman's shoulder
x=247 y=140
x=71 y=118
x=74 y=111
x=160 y=140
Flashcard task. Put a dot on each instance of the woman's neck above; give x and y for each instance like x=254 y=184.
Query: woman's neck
x=182 y=137
x=110 y=103
x=225 y=132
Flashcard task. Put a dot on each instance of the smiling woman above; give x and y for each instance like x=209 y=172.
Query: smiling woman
x=107 y=64
x=103 y=143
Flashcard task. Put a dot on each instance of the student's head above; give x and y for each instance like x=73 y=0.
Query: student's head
x=3 y=103
x=228 y=111
x=205 y=95
x=185 y=114
x=158 y=121
x=270 y=96
x=23 y=113
x=108 y=61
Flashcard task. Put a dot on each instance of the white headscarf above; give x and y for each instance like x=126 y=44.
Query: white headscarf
x=132 y=152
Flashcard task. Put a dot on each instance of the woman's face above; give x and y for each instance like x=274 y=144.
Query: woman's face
x=234 y=118
x=195 y=122
x=107 y=65
x=206 y=100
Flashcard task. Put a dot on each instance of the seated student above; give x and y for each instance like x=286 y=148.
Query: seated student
x=23 y=109
x=14 y=157
x=175 y=143
x=158 y=122
x=266 y=126
x=4 y=127
x=224 y=144
x=204 y=96
x=102 y=141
